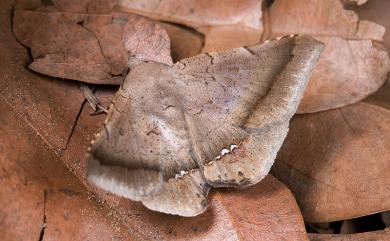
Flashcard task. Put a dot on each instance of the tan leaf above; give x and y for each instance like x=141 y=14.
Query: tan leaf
x=339 y=170
x=352 y=65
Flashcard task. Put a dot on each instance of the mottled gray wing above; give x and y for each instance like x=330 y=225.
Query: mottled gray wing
x=238 y=104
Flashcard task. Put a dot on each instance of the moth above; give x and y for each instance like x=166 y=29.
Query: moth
x=213 y=120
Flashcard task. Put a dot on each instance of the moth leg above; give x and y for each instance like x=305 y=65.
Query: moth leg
x=92 y=99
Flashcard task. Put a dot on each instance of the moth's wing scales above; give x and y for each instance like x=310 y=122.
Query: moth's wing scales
x=224 y=115
x=255 y=90
x=114 y=161
x=144 y=141
x=184 y=196
x=133 y=183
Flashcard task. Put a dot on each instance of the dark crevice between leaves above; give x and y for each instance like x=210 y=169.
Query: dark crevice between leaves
x=346 y=121
x=75 y=124
x=357 y=225
x=185 y=27
x=47 y=3
x=69 y=192
x=265 y=7
x=28 y=49
x=44 y=224
x=189 y=29
x=350 y=5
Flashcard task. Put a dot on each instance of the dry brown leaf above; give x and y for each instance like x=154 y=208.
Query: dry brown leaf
x=339 y=170
x=40 y=199
x=228 y=24
x=352 y=65
x=52 y=106
x=227 y=37
x=185 y=42
x=226 y=219
x=377 y=11
x=381 y=97
x=372 y=236
x=199 y=13
x=83 y=6
x=87 y=47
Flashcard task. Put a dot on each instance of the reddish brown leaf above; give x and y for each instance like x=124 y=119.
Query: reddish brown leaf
x=200 y=13
x=226 y=25
x=228 y=37
x=90 y=48
x=372 y=236
x=40 y=199
x=339 y=170
x=352 y=65
x=381 y=97
x=185 y=42
x=377 y=11
x=84 y=6
x=49 y=105
x=234 y=215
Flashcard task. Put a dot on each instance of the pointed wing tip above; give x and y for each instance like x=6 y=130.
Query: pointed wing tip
x=310 y=42
x=298 y=39
x=193 y=212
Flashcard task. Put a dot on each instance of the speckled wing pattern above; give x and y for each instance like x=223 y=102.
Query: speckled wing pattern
x=213 y=120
